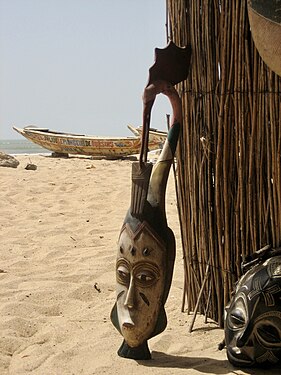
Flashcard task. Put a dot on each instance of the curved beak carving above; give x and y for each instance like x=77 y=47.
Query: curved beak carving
x=170 y=68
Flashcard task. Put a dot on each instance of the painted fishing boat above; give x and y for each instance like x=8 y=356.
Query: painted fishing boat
x=77 y=144
x=155 y=134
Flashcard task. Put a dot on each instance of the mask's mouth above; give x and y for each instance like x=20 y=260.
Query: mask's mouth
x=128 y=325
x=238 y=358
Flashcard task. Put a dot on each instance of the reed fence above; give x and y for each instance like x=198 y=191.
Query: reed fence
x=229 y=156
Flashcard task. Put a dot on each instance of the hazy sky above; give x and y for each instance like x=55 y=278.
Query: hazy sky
x=78 y=65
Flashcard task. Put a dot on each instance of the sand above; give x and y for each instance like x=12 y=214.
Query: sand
x=59 y=228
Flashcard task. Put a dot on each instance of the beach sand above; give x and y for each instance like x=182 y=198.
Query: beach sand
x=59 y=228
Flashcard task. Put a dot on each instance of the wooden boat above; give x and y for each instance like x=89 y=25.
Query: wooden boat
x=67 y=143
x=154 y=134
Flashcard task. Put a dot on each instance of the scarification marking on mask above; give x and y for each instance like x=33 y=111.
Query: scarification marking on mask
x=146 y=252
x=133 y=251
x=267 y=356
x=143 y=296
x=143 y=227
x=267 y=314
x=267 y=293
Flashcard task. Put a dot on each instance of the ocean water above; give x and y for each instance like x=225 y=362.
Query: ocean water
x=21 y=146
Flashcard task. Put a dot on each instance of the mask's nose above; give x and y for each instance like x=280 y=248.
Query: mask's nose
x=130 y=301
x=243 y=339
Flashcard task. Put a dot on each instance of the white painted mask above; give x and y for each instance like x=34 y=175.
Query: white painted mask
x=140 y=283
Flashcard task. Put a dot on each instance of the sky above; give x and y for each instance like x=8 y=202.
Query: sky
x=78 y=66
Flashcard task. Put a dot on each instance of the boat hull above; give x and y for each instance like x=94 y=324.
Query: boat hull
x=62 y=143
x=154 y=134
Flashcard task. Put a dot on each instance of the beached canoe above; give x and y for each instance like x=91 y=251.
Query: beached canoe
x=155 y=134
x=67 y=143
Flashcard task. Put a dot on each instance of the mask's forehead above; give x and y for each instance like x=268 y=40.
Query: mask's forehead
x=142 y=244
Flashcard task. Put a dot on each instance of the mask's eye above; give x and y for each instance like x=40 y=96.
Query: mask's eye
x=145 y=278
x=237 y=319
x=268 y=334
x=123 y=274
x=146 y=274
x=237 y=314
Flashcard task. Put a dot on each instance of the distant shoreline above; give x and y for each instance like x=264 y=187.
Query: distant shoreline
x=21 y=147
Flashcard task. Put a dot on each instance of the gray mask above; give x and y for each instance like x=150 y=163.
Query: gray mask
x=253 y=317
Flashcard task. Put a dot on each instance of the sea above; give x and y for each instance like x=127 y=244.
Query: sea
x=21 y=146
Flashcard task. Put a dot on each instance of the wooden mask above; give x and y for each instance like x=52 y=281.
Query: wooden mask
x=146 y=246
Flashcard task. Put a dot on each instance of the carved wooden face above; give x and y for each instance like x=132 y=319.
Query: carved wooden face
x=253 y=318
x=140 y=281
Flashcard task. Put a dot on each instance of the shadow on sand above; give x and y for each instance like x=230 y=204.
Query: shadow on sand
x=202 y=364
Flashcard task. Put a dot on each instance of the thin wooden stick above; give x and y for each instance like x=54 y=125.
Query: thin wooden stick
x=199 y=298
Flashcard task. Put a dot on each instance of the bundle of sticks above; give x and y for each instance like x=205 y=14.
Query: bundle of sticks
x=229 y=156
